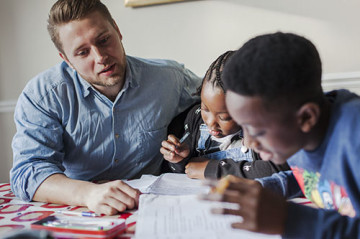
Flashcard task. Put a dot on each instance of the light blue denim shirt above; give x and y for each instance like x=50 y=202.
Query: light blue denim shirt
x=66 y=126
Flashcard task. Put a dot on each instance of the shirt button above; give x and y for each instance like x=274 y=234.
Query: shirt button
x=117 y=136
x=116 y=160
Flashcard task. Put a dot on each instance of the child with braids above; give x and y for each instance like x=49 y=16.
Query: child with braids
x=215 y=146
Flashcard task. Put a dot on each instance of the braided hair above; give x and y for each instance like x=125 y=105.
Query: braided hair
x=213 y=74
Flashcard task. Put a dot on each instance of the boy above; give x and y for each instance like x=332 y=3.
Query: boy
x=274 y=92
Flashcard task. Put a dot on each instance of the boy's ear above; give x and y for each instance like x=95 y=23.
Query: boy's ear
x=308 y=115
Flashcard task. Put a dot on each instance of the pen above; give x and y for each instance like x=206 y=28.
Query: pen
x=84 y=214
x=184 y=137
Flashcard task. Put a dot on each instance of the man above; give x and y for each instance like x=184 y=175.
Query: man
x=274 y=92
x=99 y=115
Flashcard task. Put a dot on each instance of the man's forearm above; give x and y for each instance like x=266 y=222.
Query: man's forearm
x=107 y=198
x=60 y=189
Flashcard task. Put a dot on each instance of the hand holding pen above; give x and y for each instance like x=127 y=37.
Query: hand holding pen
x=173 y=149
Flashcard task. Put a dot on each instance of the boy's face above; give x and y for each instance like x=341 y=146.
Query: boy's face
x=214 y=112
x=93 y=47
x=273 y=134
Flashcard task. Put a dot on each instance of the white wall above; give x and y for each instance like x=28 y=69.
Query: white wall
x=194 y=33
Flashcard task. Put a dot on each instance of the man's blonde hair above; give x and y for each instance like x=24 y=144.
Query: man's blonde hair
x=65 y=11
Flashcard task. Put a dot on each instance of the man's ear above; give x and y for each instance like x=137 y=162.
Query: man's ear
x=63 y=56
x=308 y=115
x=118 y=30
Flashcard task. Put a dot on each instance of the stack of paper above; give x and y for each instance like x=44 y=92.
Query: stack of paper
x=167 y=216
x=171 y=209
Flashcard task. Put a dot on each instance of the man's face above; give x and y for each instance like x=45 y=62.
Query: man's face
x=274 y=135
x=93 y=47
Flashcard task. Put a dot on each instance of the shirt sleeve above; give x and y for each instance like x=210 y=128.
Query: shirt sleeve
x=190 y=83
x=283 y=183
x=244 y=169
x=37 y=146
x=307 y=222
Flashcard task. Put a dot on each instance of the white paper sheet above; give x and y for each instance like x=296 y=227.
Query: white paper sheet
x=142 y=183
x=185 y=216
x=177 y=184
x=169 y=184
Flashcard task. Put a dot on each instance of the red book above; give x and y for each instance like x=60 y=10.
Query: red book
x=63 y=226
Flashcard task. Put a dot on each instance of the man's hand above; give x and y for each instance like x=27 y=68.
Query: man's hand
x=173 y=150
x=107 y=198
x=112 y=197
x=260 y=210
x=196 y=168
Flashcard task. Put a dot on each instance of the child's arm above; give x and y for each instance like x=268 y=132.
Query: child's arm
x=196 y=167
x=243 y=169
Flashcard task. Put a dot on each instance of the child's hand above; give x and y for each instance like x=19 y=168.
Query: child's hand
x=260 y=209
x=196 y=168
x=173 y=151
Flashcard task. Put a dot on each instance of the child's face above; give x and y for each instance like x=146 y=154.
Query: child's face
x=275 y=135
x=214 y=112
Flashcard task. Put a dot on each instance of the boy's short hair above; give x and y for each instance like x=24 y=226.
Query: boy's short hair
x=65 y=11
x=276 y=67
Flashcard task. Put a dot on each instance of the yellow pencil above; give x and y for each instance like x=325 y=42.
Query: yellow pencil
x=222 y=185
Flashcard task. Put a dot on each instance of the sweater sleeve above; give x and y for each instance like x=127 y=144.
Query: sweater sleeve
x=308 y=222
x=244 y=168
x=283 y=183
